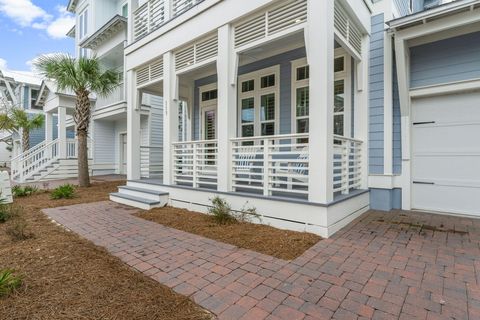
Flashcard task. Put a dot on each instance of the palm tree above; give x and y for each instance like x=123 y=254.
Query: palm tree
x=83 y=76
x=21 y=122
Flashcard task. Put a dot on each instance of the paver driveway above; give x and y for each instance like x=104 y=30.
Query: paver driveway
x=394 y=265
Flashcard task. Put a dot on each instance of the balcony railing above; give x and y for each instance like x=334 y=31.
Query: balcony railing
x=347 y=164
x=154 y=13
x=273 y=165
x=72 y=148
x=195 y=164
x=118 y=95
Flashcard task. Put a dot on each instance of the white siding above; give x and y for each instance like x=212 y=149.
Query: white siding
x=104 y=136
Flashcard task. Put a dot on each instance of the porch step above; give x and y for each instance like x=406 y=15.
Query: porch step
x=142 y=192
x=137 y=202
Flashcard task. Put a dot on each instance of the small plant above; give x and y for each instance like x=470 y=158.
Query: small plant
x=66 y=191
x=222 y=212
x=8 y=282
x=18 y=229
x=7 y=211
x=19 y=191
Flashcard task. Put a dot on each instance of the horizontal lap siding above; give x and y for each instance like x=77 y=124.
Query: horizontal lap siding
x=104 y=146
x=397 y=125
x=284 y=60
x=156 y=121
x=376 y=96
x=444 y=61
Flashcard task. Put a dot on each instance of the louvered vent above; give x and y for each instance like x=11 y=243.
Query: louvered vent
x=143 y=75
x=249 y=31
x=346 y=28
x=156 y=70
x=206 y=49
x=287 y=16
x=151 y=72
x=185 y=57
x=272 y=21
x=157 y=14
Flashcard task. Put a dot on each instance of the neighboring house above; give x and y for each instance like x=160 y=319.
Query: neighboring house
x=101 y=31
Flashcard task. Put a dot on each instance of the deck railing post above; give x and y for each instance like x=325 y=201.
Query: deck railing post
x=266 y=169
x=194 y=165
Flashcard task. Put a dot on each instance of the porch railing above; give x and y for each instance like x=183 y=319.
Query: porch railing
x=115 y=97
x=347 y=164
x=154 y=13
x=274 y=165
x=195 y=164
x=72 y=148
x=151 y=161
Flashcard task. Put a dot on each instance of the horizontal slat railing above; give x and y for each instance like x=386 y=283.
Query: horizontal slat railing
x=151 y=161
x=347 y=164
x=271 y=165
x=195 y=164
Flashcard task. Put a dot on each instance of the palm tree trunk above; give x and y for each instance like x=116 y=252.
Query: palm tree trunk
x=82 y=120
x=25 y=139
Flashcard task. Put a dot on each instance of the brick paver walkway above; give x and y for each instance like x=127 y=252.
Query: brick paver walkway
x=383 y=266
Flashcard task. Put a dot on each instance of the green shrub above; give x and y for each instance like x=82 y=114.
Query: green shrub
x=8 y=282
x=5 y=213
x=222 y=212
x=19 y=191
x=18 y=229
x=66 y=191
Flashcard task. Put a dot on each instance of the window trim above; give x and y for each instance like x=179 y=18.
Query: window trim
x=342 y=75
x=205 y=105
x=257 y=94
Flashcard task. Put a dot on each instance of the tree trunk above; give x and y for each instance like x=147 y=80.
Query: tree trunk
x=82 y=120
x=25 y=139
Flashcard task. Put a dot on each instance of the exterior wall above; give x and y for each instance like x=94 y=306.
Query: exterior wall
x=376 y=98
x=5 y=155
x=105 y=149
x=397 y=125
x=156 y=121
x=385 y=199
x=284 y=60
x=444 y=61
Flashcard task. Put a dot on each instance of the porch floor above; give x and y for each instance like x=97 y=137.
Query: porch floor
x=396 y=265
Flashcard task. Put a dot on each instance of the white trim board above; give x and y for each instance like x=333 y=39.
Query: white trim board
x=445 y=88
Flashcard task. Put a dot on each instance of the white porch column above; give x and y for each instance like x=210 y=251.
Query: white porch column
x=48 y=127
x=319 y=39
x=62 y=132
x=170 y=115
x=226 y=109
x=133 y=128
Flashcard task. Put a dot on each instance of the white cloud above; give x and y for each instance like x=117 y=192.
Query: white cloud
x=27 y=14
x=3 y=64
x=23 y=12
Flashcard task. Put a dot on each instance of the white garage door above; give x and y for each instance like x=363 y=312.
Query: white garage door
x=446 y=153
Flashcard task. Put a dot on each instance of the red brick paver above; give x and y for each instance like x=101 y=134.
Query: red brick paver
x=393 y=265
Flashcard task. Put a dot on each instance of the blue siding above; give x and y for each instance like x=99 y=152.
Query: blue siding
x=284 y=60
x=385 y=199
x=397 y=125
x=448 y=60
x=376 y=97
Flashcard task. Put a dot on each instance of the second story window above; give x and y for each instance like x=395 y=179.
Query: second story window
x=125 y=10
x=33 y=99
x=83 y=24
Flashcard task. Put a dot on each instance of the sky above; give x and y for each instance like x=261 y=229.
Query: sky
x=29 y=28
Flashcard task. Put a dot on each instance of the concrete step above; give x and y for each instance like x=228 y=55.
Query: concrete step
x=143 y=193
x=137 y=202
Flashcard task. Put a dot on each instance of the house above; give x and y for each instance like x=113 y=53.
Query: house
x=19 y=89
x=101 y=31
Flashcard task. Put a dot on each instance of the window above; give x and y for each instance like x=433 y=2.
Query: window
x=259 y=103
x=301 y=97
x=341 y=91
x=33 y=99
x=208 y=112
x=83 y=24
x=125 y=10
x=209 y=95
x=339 y=64
x=339 y=107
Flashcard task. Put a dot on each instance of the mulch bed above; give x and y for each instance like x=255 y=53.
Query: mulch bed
x=265 y=239
x=66 y=277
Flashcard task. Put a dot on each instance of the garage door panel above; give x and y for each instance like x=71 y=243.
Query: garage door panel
x=445 y=138
x=453 y=167
x=446 y=199
x=446 y=153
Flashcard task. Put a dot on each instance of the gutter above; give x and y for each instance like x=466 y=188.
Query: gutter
x=426 y=15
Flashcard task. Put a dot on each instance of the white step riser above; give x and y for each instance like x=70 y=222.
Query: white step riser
x=144 y=186
x=131 y=203
x=140 y=194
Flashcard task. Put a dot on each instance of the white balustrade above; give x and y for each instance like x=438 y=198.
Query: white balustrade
x=154 y=13
x=33 y=160
x=72 y=148
x=347 y=164
x=151 y=161
x=271 y=165
x=113 y=98
x=195 y=163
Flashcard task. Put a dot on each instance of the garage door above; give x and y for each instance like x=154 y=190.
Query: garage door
x=446 y=153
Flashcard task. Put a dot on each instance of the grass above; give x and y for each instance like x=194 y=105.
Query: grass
x=9 y=282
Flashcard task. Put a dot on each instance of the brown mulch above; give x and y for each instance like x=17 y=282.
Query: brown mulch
x=282 y=244
x=66 y=277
